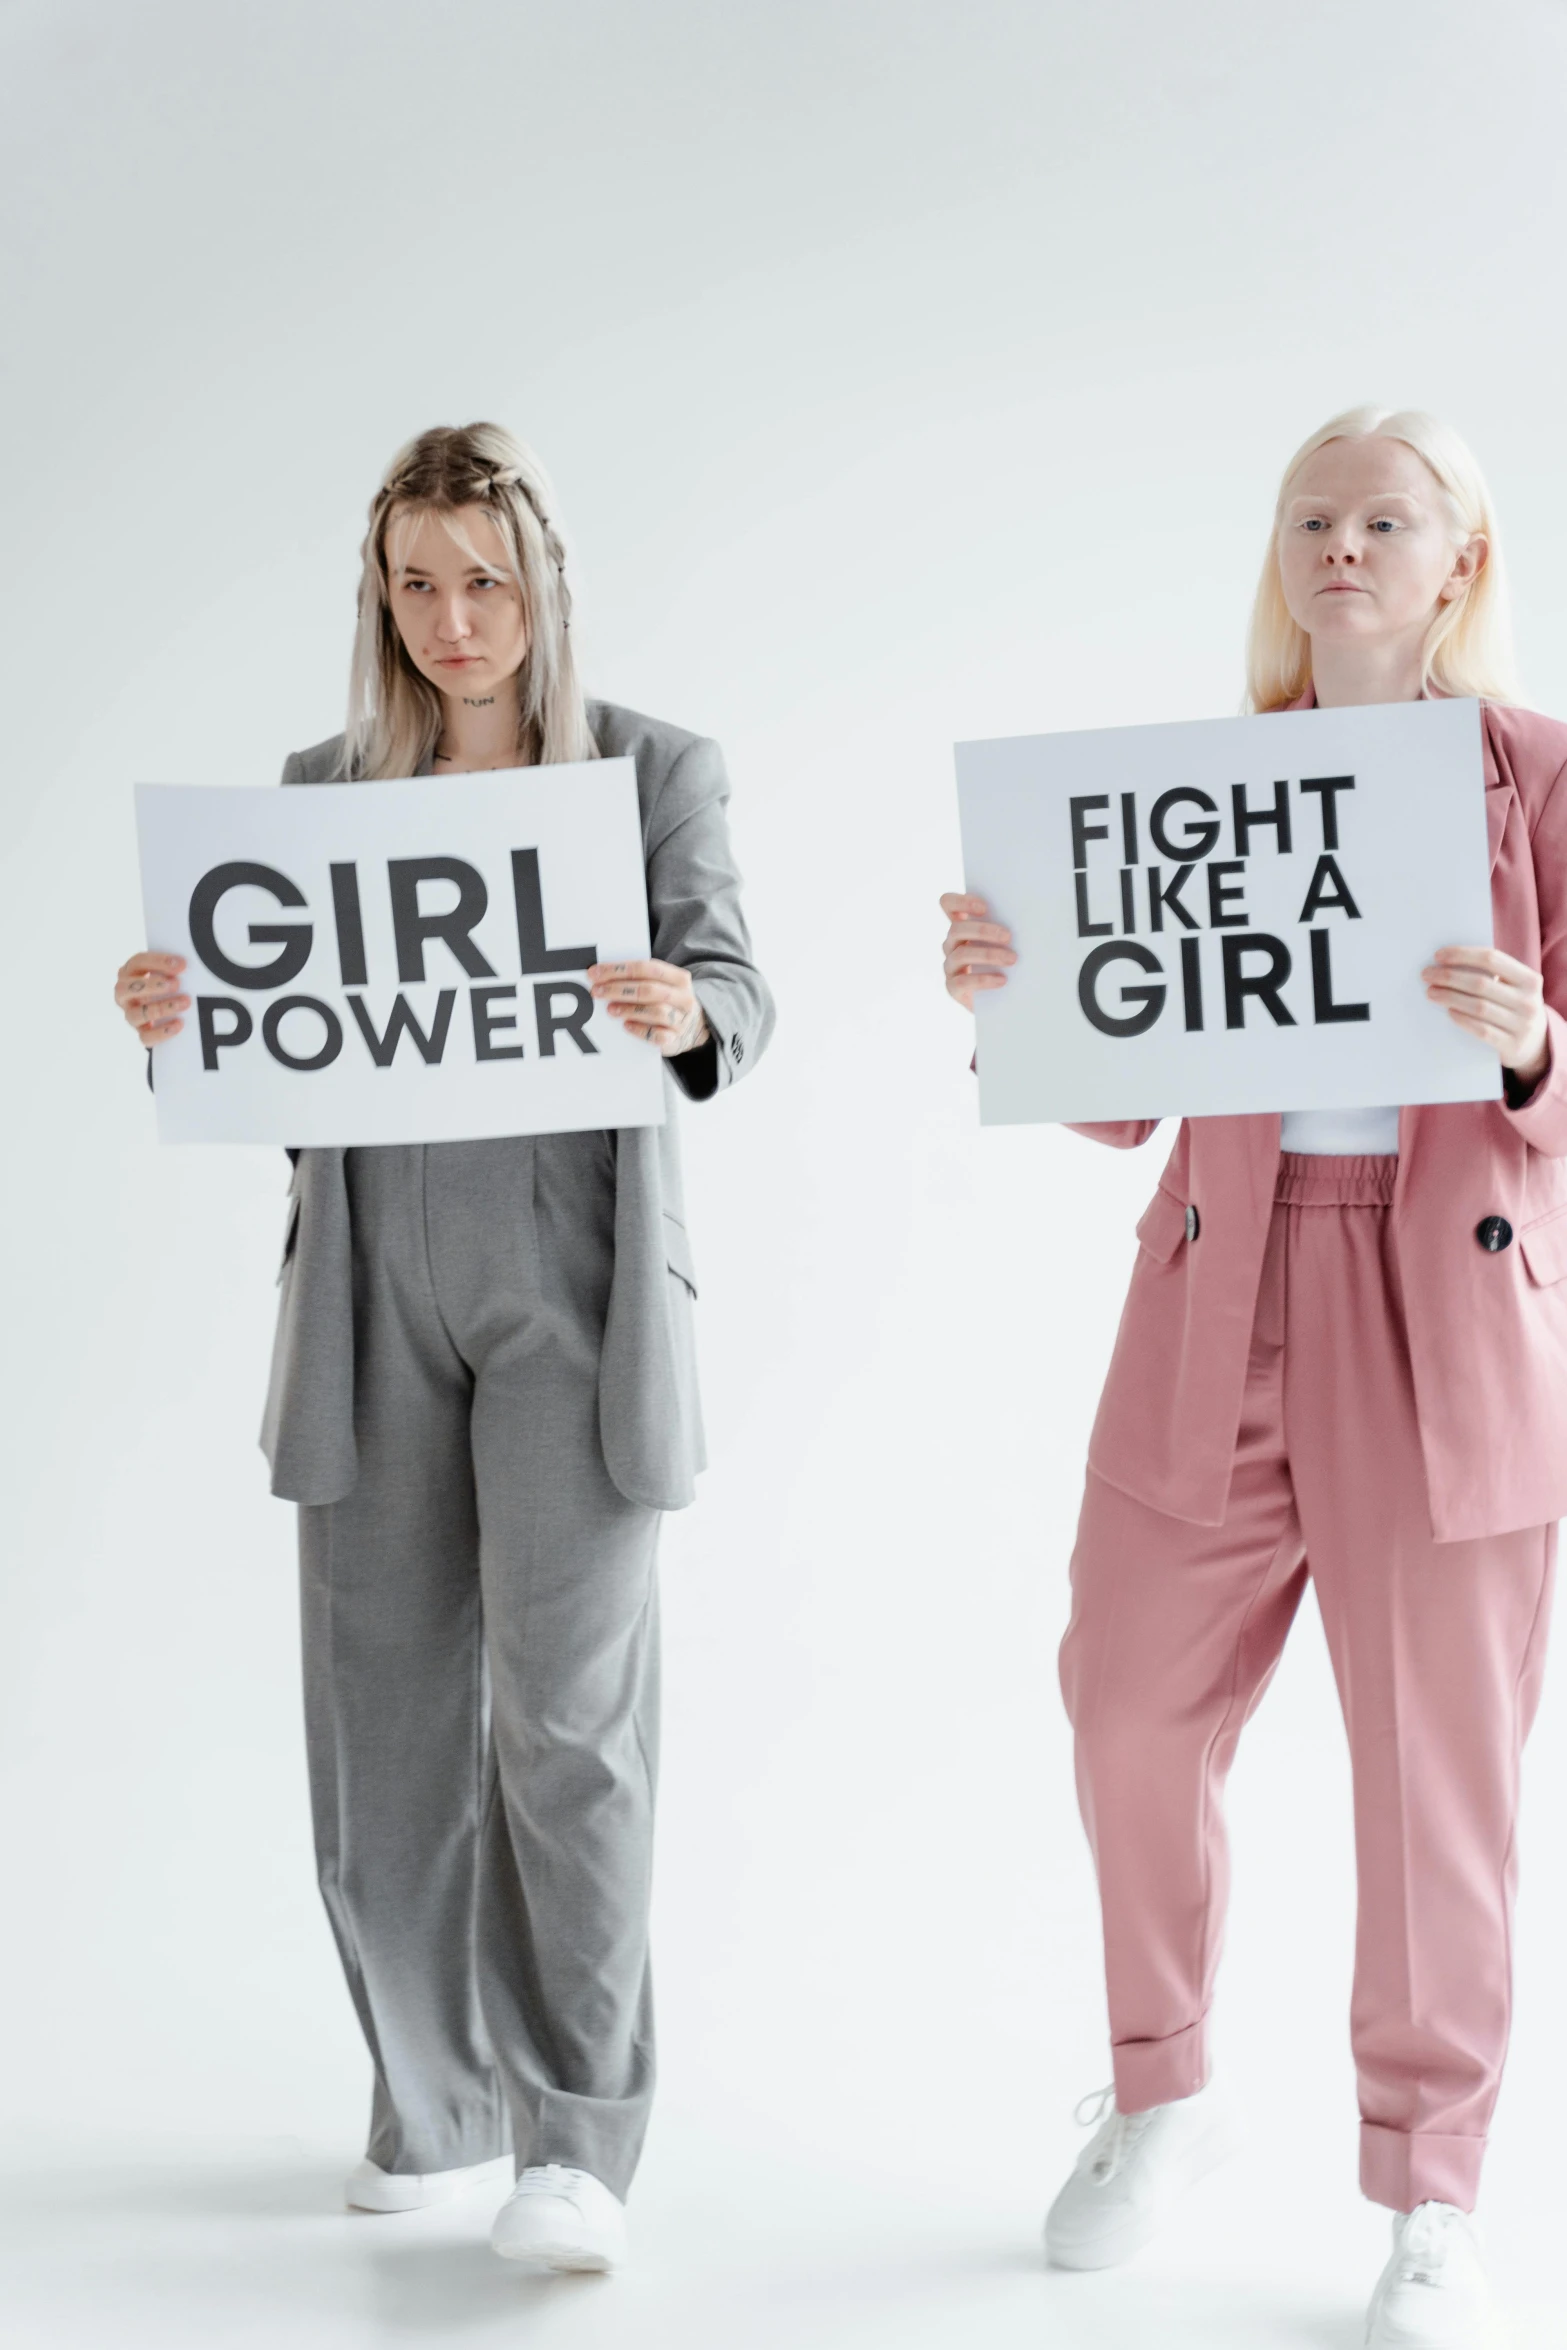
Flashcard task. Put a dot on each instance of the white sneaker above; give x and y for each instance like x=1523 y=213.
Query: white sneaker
x=1132 y=2169
x=370 y=2188
x=557 y=2218
x=1433 y=2293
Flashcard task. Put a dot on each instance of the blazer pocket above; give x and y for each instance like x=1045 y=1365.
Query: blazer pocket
x=1544 y=1247
x=677 y=1251
x=1163 y=1226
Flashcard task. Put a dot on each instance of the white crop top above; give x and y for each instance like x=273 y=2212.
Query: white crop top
x=1342 y=1134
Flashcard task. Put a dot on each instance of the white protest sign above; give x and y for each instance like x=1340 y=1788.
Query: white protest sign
x=399 y=962
x=1230 y=915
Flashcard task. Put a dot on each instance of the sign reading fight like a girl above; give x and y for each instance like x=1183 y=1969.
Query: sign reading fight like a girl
x=399 y=962
x=1230 y=915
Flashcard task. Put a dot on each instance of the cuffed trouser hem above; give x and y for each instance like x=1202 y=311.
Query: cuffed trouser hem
x=1404 y=2167
x=600 y=2136
x=392 y=2150
x=1159 y=2072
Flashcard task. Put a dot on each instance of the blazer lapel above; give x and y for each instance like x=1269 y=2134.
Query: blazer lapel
x=1500 y=790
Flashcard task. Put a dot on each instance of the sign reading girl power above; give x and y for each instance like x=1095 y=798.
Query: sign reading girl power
x=399 y=962
x=1231 y=915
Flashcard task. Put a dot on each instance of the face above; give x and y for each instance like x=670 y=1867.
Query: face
x=1366 y=551
x=455 y=601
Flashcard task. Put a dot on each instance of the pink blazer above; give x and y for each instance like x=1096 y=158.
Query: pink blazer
x=1487 y=1331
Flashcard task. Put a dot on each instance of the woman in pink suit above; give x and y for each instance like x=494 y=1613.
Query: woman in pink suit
x=1343 y=1355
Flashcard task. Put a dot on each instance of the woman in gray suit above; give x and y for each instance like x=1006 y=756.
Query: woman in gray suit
x=483 y=1396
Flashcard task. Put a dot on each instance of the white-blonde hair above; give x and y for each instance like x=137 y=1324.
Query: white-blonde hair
x=1469 y=645
x=394 y=714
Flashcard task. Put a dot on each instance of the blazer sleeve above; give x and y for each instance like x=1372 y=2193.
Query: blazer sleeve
x=1122 y=1134
x=1541 y=1116
x=693 y=891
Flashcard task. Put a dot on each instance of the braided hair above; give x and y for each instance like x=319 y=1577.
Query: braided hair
x=394 y=717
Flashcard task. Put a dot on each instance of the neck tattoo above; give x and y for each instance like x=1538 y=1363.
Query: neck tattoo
x=477 y=701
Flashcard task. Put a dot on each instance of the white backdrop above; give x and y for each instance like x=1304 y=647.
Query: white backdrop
x=953 y=353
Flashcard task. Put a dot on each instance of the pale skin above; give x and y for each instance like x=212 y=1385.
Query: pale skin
x=1367 y=558
x=463 y=627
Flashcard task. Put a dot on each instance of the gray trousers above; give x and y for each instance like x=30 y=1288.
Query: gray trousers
x=481 y=1660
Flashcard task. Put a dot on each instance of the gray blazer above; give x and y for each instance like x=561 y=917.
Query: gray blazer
x=650 y=1420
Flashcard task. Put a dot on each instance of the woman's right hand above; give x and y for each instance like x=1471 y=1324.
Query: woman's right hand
x=977 y=950
x=148 y=993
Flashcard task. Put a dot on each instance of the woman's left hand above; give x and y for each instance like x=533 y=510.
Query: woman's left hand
x=655 y=1000
x=1498 y=999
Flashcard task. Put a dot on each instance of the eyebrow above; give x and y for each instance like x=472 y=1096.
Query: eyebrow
x=417 y=571
x=1373 y=498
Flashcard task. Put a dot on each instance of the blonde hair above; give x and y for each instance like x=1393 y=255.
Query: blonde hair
x=1469 y=646
x=394 y=714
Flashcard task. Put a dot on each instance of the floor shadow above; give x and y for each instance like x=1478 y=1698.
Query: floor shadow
x=290 y=2188
x=1114 y=2310
x=1333 y=2333
x=447 y=2289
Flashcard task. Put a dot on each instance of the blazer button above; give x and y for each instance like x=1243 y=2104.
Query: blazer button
x=1493 y=1233
x=1193 y=1223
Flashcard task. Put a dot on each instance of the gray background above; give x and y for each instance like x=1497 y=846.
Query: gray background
x=909 y=374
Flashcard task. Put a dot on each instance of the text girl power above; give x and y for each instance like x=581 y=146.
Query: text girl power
x=560 y=1006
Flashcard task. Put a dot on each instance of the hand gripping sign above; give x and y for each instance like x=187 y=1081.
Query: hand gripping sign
x=399 y=962
x=1231 y=915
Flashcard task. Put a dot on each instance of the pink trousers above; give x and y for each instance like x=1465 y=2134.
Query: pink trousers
x=1437 y=1649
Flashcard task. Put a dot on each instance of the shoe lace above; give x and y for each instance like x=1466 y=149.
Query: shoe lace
x=1424 y=2245
x=1119 y=2134
x=1089 y=2111
x=547 y=2178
